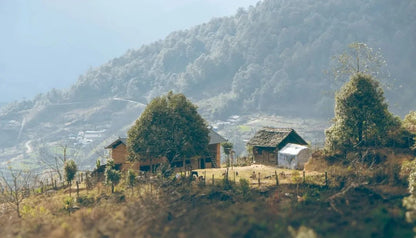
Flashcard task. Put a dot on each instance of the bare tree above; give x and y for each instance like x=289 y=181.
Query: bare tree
x=15 y=187
x=54 y=161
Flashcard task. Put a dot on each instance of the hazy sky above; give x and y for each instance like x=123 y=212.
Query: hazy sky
x=47 y=44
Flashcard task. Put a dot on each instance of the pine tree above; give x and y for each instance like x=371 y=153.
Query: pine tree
x=361 y=116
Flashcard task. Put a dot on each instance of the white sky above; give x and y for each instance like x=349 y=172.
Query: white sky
x=47 y=44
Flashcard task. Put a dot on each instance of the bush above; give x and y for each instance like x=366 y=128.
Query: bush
x=245 y=188
x=85 y=201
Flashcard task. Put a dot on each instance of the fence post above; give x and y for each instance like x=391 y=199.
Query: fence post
x=77 y=189
x=259 y=179
x=304 y=179
x=212 y=179
x=277 y=178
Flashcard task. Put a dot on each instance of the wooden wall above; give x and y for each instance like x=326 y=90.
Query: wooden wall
x=264 y=156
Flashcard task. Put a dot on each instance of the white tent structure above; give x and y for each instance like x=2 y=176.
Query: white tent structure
x=293 y=156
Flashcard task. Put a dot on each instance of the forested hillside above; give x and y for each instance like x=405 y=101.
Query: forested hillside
x=266 y=59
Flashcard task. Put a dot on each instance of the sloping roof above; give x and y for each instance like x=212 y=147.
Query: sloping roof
x=116 y=143
x=272 y=137
x=215 y=138
x=292 y=149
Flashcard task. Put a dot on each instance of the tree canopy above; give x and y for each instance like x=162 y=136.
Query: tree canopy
x=70 y=169
x=112 y=175
x=361 y=115
x=169 y=127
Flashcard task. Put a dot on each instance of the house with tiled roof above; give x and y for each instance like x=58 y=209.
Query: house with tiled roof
x=119 y=153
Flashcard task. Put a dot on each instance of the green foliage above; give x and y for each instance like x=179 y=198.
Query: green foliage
x=68 y=204
x=70 y=169
x=112 y=175
x=85 y=200
x=98 y=163
x=409 y=123
x=245 y=188
x=361 y=116
x=131 y=177
x=227 y=146
x=170 y=127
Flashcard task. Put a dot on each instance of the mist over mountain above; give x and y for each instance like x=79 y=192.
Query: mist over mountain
x=267 y=59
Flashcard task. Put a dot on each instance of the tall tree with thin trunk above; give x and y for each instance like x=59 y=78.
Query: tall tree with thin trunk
x=70 y=169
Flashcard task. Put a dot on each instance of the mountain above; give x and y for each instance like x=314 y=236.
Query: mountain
x=267 y=59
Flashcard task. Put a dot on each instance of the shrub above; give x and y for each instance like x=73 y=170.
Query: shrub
x=245 y=188
x=85 y=201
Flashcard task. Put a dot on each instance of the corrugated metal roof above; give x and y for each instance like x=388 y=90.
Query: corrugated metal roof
x=269 y=137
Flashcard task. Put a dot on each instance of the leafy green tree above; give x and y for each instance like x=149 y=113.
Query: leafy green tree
x=361 y=116
x=70 y=169
x=170 y=127
x=112 y=175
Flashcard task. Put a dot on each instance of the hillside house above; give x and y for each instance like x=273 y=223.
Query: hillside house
x=119 y=153
x=268 y=141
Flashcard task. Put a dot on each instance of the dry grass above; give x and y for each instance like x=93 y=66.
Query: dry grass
x=175 y=209
x=267 y=174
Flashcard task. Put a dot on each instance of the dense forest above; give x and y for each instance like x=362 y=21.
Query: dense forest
x=269 y=59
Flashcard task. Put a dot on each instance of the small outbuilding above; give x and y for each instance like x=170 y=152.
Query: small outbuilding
x=268 y=141
x=293 y=156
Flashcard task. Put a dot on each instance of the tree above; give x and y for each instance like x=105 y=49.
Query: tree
x=70 y=169
x=170 y=127
x=359 y=58
x=361 y=115
x=55 y=162
x=131 y=179
x=15 y=187
x=111 y=174
x=409 y=123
